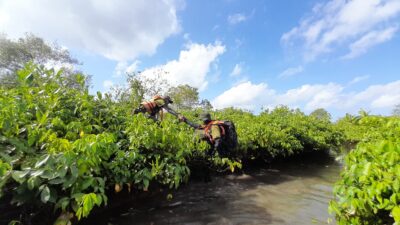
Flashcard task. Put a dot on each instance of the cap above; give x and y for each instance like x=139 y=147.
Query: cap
x=168 y=99
x=205 y=116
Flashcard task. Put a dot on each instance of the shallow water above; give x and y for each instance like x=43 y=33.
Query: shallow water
x=283 y=193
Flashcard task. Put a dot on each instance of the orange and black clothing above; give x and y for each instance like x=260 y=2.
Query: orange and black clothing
x=154 y=107
x=212 y=132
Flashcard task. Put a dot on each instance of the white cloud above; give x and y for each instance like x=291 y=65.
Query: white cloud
x=370 y=39
x=331 y=96
x=244 y=95
x=107 y=84
x=192 y=67
x=236 y=18
x=341 y=23
x=311 y=96
x=375 y=96
x=237 y=71
x=123 y=68
x=358 y=79
x=119 y=30
x=291 y=71
x=386 y=100
x=56 y=65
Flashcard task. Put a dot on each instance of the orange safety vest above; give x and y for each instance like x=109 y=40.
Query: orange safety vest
x=151 y=105
x=207 y=129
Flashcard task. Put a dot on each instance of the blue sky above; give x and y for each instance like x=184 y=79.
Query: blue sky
x=341 y=55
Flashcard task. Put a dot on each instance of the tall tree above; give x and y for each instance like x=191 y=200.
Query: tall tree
x=184 y=96
x=205 y=104
x=14 y=54
x=139 y=87
x=396 y=110
x=321 y=114
x=154 y=83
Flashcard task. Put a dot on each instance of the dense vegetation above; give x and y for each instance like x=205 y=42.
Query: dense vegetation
x=66 y=150
x=369 y=189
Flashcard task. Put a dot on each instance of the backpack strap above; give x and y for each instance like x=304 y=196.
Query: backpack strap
x=149 y=106
x=221 y=127
x=208 y=127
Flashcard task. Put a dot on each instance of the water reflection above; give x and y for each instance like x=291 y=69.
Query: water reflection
x=283 y=193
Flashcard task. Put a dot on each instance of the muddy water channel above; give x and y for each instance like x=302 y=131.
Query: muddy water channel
x=291 y=192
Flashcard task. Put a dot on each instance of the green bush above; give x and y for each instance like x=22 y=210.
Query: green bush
x=369 y=189
x=66 y=150
x=281 y=132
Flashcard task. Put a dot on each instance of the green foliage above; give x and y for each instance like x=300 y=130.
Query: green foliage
x=184 y=97
x=14 y=54
x=51 y=150
x=156 y=152
x=369 y=189
x=281 y=132
x=65 y=149
x=365 y=128
x=396 y=110
x=205 y=105
x=321 y=114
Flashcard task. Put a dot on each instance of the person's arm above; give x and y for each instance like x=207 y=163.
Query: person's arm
x=169 y=110
x=193 y=125
x=181 y=117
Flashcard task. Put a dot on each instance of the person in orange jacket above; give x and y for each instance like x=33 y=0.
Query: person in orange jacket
x=210 y=131
x=154 y=108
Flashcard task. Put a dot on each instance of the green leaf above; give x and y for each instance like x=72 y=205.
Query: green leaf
x=45 y=194
x=79 y=213
x=29 y=78
x=62 y=171
x=74 y=171
x=53 y=195
x=77 y=196
x=39 y=115
x=396 y=213
x=69 y=181
x=37 y=173
x=32 y=138
x=146 y=183
x=14 y=222
x=42 y=160
x=57 y=181
x=19 y=175
x=33 y=182
x=86 y=183
x=104 y=198
x=47 y=174
x=62 y=203
x=98 y=200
